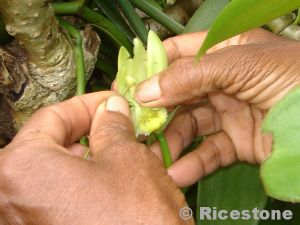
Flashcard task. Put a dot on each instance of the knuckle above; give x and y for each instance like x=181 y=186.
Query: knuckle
x=180 y=75
x=110 y=128
x=21 y=158
x=172 y=49
x=238 y=65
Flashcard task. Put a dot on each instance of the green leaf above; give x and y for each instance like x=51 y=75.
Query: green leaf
x=159 y=16
x=106 y=26
x=205 y=15
x=280 y=172
x=110 y=9
x=133 y=19
x=155 y=4
x=243 y=15
x=234 y=188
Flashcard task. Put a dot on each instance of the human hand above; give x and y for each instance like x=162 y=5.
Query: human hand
x=43 y=181
x=242 y=78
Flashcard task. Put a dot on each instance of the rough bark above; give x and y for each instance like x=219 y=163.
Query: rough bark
x=38 y=68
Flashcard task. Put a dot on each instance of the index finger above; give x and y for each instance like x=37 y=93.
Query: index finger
x=187 y=45
x=63 y=123
x=183 y=45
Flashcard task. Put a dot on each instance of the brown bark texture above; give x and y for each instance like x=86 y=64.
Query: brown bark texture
x=38 y=67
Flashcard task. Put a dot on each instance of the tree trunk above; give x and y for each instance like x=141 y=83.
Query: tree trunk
x=38 y=68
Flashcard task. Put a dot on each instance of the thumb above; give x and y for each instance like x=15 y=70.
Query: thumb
x=111 y=126
x=185 y=79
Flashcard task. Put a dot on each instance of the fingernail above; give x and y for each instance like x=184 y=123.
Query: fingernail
x=117 y=104
x=149 y=90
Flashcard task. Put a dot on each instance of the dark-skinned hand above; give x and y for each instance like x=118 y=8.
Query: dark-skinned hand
x=45 y=182
x=229 y=92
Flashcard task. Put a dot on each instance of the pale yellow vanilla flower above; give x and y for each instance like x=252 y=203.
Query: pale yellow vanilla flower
x=132 y=71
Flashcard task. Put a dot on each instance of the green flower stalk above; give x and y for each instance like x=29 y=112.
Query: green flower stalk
x=132 y=71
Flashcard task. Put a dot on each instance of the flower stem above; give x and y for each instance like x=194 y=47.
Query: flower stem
x=80 y=67
x=79 y=57
x=164 y=148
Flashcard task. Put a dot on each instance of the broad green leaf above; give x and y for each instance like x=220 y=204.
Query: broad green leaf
x=205 y=15
x=243 y=15
x=281 y=171
x=157 y=59
x=234 y=188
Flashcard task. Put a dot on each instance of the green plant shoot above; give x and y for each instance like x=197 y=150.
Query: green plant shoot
x=243 y=15
x=132 y=71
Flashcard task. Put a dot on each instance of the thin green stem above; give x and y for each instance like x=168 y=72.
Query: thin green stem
x=297 y=21
x=79 y=56
x=164 y=148
x=105 y=26
x=134 y=20
x=159 y=16
x=80 y=65
x=64 y=8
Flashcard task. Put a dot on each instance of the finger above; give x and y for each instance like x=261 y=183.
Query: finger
x=183 y=45
x=245 y=71
x=238 y=122
x=111 y=127
x=114 y=86
x=77 y=150
x=187 y=45
x=215 y=152
x=262 y=142
x=63 y=123
x=187 y=125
